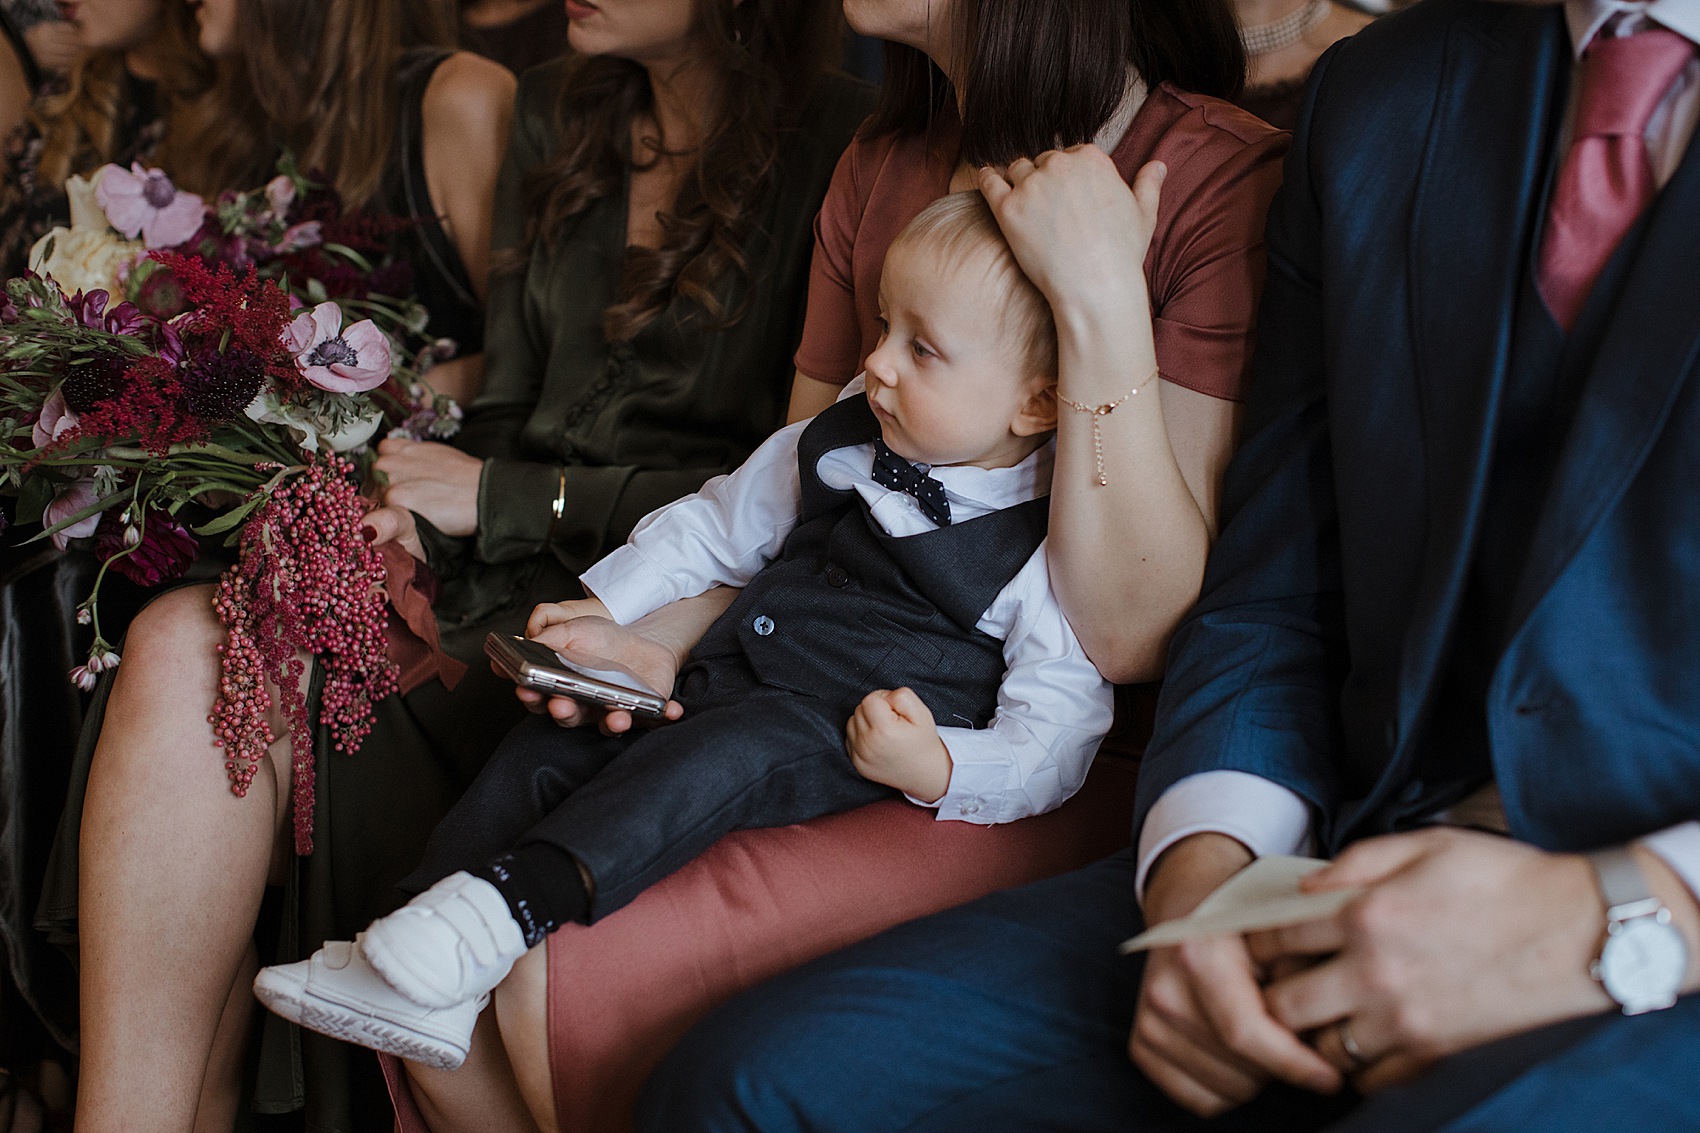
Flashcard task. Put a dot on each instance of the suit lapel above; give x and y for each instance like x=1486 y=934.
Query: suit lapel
x=1498 y=107
x=1646 y=354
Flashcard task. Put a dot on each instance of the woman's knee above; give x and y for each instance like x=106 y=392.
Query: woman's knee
x=522 y=1011
x=175 y=637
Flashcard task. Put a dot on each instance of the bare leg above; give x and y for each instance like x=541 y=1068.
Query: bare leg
x=522 y=1009
x=221 y=1088
x=173 y=869
x=483 y=1093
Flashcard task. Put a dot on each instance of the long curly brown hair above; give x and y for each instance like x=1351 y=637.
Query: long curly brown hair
x=317 y=77
x=766 y=56
x=79 y=126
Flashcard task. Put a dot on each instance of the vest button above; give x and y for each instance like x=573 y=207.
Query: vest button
x=837 y=576
x=763 y=625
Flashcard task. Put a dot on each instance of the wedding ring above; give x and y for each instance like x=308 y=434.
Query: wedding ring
x=1350 y=1045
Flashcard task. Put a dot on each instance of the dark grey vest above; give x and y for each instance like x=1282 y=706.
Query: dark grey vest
x=847 y=609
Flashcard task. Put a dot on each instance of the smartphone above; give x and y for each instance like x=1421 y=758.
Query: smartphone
x=536 y=666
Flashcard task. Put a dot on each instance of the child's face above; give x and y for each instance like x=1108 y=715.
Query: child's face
x=947 y=380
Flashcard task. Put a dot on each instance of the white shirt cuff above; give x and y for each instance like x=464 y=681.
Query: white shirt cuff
x=1265 y=816
x=1679 y=846
x=629 y=584
x=980 y=776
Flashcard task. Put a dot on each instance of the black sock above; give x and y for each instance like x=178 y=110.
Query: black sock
x=542 y=886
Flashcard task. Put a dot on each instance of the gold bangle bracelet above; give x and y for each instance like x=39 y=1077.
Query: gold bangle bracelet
x=558 y=508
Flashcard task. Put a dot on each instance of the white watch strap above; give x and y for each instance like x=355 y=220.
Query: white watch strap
x=1622 y=883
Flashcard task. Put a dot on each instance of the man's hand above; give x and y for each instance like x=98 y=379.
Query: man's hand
x=436 y=480
x=892 y=740
x=1462 y=938
x=584 y=627
x=1201 y=1032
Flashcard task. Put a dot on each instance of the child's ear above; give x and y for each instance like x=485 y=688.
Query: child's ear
x=1039 y=413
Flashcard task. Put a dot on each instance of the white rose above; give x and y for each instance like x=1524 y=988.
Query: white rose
x=86 y=213
x=86 y=259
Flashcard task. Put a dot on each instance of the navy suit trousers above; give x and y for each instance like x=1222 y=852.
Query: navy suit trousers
x=1012 y=1014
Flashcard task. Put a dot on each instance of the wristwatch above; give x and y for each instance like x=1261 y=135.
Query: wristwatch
x=1644 y=958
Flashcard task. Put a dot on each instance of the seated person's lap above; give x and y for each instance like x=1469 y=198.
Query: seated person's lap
x=1013 y=1013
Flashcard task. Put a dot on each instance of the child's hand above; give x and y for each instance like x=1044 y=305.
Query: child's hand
x=892 y=740
x=584 y=627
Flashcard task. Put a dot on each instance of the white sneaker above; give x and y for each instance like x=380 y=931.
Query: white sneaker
x=454 y=942
x=335 y=992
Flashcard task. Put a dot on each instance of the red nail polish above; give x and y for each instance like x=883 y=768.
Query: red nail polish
x=369 y=533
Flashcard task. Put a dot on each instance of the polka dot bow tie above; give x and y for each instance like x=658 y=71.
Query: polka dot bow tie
x=892 y=471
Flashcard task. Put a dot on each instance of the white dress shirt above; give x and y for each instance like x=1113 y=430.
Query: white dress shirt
x=1053 y=706
x=1270 y=819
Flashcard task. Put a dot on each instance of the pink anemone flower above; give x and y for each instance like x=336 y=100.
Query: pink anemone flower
x=68 y=502
x=339 y=359
x=56 y=418
x=145 y=201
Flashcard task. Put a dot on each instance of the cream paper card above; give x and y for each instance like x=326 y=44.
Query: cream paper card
x=1263 y=895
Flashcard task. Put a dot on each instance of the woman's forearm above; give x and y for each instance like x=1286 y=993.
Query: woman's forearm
x=1126 y=556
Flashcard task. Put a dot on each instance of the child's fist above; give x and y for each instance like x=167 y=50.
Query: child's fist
x=892 y=740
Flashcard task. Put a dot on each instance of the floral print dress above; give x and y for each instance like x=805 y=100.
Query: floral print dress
x=30 y=205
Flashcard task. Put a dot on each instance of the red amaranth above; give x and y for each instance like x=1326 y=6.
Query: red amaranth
x=306 y=582
x=148 y=413
x=252 y=311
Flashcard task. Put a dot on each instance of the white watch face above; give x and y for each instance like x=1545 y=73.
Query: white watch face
x=1643 y=963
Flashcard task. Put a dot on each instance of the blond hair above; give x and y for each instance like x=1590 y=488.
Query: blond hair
x=79 y=126
x=960 y=228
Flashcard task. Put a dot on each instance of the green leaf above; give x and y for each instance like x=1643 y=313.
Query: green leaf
x=37 y=493
x=231 y=519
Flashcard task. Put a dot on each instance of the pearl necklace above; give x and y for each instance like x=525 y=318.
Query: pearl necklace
x=1265 y=39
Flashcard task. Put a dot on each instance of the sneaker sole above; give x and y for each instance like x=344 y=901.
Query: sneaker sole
x=294 y=1002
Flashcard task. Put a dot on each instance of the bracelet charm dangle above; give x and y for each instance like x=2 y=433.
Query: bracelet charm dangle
x=1098 y=413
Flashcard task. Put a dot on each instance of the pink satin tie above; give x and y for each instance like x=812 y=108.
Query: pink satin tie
x=1607 y=178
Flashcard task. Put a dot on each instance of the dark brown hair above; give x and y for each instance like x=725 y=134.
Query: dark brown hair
x=318 y=77
x=1047 y=74
x=79 y=126
x=766 y=56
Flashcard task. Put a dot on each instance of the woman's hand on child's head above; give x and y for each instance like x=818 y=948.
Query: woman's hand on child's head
x=892 y=739
x=1077 y=230
x=436 y=480
x=584 y=627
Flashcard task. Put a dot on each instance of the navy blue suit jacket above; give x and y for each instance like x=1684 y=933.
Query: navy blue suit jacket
x=1397 y=248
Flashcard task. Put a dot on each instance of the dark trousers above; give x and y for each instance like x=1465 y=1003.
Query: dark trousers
x=632 y=809
x=1012 y=1014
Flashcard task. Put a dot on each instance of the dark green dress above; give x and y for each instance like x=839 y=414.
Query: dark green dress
x=633 y=426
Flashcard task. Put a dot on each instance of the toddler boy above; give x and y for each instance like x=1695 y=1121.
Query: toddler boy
x=896 y=632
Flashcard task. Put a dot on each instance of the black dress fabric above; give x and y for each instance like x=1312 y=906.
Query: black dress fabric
x=440 y=280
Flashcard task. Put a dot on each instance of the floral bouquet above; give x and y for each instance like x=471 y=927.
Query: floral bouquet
x=174 y=360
